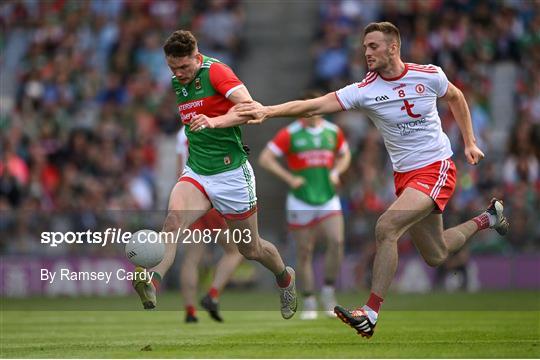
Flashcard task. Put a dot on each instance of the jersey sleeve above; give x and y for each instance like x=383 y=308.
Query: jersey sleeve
x=341 y=144
x=281 y=143
x=350 y=97
x=223 y=79
x=441 y=83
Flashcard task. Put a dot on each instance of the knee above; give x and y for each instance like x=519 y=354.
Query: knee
x=437 y=259
x=173 y=221
x=385 y=229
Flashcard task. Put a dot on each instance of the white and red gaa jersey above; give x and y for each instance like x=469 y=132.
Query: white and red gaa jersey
x=182 y=146
x=404 y=109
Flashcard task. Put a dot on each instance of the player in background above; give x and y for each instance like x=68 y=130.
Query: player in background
x=401 y=100
x=217 y=174
x=316 y=153
x=194 y=251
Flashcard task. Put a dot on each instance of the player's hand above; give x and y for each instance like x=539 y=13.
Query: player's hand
x=296 y=182
x=473 y=154
x=254 y=109
x=201 y=122
x=334 y=178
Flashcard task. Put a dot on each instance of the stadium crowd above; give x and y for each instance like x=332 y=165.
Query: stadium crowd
x=92 y=93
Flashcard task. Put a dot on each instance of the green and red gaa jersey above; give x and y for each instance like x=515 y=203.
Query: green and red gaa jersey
x=310 y=153
x=211 y=151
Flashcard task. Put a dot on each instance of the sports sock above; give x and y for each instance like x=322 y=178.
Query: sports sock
x=372 y=315
x=484 y=220
x=374 y=302
x=156 y=279
x=284 y=278
x=190 y=310
x=213 y=293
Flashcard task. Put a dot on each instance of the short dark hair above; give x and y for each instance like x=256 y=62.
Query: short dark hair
x=180 y=43
x=386 y=28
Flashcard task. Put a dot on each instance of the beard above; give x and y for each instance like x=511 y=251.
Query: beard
x=382 y=63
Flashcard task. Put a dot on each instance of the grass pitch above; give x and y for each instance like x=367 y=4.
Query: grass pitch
x=420 y=326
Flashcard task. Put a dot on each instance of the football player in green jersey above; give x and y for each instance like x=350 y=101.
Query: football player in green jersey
x=217 y=174
x=316 y=153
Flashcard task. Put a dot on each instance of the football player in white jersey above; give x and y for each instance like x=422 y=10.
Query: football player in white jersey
x=400 y=99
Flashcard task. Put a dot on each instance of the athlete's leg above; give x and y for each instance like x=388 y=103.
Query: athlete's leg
x=186 y=204
x=189 y=277
x=224 y=270
x=227 y=264
x=301 y=218
x=435 y=244
x=233 y=195
x=456 y=237
x=410 y=207
x=305 y=242
x=332 y=230
x=253 y=247
x=427 y=236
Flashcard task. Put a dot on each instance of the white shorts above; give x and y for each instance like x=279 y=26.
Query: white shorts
x=232 y=192
x=301 y=214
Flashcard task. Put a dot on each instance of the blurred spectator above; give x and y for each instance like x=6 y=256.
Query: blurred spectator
x=218 y=31
x=92 y=94
x=521 y=166
x=331 y=60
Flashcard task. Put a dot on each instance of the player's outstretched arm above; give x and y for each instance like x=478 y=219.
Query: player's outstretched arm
x=326 y=104
x=269 y=161
x=231 y=118
x=460 y=110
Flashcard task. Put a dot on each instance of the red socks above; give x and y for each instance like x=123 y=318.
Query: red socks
x=190 y=310
x=213 y=292
x=374 y=302
x=283 y=279
x=482 y=221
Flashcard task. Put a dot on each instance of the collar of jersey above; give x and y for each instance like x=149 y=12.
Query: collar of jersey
x=397 y=77
x=313 y=130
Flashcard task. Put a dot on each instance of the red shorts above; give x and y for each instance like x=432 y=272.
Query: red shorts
x=211 y=220
x=437 y=180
